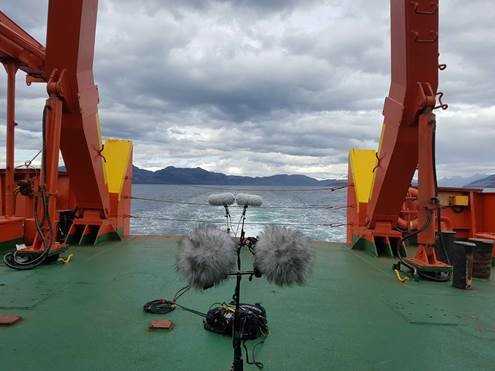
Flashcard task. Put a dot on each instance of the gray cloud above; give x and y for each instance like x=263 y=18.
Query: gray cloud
x=262 y=87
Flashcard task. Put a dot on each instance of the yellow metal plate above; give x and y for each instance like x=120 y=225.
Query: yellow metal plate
x=459 y=200
x=362 y=162
x=118 y=154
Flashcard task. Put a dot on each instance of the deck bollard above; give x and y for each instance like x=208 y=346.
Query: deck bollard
x=444 y=242
x=461 y=257
x=482 y=262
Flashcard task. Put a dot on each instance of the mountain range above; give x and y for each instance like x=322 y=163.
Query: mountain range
x=487 y=182
x=460 y=180
x=174 y=175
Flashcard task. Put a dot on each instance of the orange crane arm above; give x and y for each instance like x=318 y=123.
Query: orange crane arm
x=69 y=63
x=414 y=30
x=407 y=144
x=18 y=47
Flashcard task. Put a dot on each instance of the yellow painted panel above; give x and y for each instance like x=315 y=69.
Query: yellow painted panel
x=362 y=162
x=459 y=200
x=118 y=155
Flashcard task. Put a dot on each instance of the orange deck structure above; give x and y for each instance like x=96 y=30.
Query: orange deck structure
x=90 y=200
x=383 y=207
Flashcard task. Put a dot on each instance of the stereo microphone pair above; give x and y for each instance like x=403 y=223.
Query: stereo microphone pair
x=284 y=256
x=228 y=199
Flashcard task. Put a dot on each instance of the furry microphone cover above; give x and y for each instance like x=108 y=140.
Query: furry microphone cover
x=208 y=254
x=243 y=199
x=284 y=256
x=221 y=199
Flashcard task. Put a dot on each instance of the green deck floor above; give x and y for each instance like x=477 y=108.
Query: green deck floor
x=352 y=315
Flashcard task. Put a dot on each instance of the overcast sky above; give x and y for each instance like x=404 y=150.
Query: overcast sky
x=258 y=87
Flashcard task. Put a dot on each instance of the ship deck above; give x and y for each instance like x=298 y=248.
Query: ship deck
x=352 y=315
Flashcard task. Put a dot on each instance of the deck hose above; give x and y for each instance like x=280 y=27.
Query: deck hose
x=11 y=259
x=164 y=306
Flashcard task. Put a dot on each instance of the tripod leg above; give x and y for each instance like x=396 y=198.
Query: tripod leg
x=236 y=338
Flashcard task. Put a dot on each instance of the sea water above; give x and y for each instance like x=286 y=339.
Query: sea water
x=308 y=209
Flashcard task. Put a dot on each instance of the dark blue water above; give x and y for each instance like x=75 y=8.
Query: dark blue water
x=159 y=218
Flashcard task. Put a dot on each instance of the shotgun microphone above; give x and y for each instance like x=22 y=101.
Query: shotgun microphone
x=284 y=256
x=221 y=199
x=244 y=199
x=207 y=256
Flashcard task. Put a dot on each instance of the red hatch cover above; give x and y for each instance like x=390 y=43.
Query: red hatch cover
x=9 y=320
x=161 y=324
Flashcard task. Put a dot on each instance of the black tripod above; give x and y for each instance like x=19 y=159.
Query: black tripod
x=243 y=232
x=228 y=218
x=238 y=363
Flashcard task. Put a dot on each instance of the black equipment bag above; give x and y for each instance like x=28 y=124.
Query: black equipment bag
x=253 y=320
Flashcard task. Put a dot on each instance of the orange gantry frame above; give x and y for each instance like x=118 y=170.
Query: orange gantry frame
x=379 y=192
x=93 y=193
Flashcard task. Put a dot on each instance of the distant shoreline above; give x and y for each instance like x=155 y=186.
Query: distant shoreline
x=201 y=177
x=249 y=185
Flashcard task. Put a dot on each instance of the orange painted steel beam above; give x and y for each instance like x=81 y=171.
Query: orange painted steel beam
x=69 y=53
x=11 y=69
x=428 y=202
x=48 y=187
x=427 y=184
x=414 y=40
x=17 y=46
